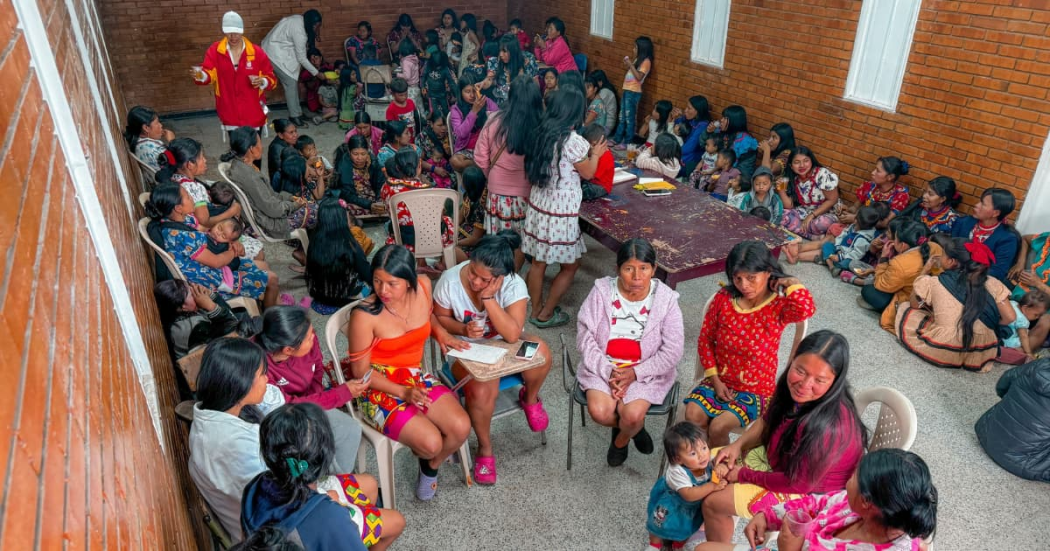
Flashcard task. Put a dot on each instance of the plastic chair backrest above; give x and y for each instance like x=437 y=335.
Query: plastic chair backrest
x=375 y=74
x=346 y=50
x=149 y=176
x=581 y=62
x=897 y=424
x=143 y=198
x=451 y=134
x=332 y=328
x=166 y=258
x=190 y=365
x=246 y=207
x=426 y=207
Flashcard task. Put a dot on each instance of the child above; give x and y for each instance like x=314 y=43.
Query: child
x=673 y=513
x=349 y=91
x=321 y=95
x=517 y=29
x=356 y=46
x=904 y=256
x=740 y=338
x=550 y=82
x=709 y=158
x=439 y=86
x=718 y=183
x=761 y=195
x=1017 y=349
x=658 y=122
x=663 y=157
x=761 y=212
x=637 y=70
x=402 y=108
x=987 y=226
x=307 y=148
x=472 y=212
x=601 y=183
x=222 y=198
x=437 y=160
x=838 y=252
x=410 y=71
x=222 y=234
x=431 y=42
x=454 y=49
x=191 y=315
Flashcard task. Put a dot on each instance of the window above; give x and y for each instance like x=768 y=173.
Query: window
x=880 y=52
x=602 y=18
x=710 y=25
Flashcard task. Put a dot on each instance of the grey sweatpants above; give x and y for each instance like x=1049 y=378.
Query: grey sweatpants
x=291 y=92
x=347 y=435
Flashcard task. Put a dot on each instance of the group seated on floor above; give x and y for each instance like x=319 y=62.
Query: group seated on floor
x=272 y=442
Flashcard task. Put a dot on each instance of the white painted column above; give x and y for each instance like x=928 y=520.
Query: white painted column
x=1035 y=214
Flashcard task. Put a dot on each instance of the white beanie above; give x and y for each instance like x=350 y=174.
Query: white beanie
x=232 y=23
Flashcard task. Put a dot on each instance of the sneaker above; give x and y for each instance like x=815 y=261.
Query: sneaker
x=535 y=415
x=426 y=487
x=485 y=470
x=643 y=442
x=836 y=272
x=318 y=120
x=616 y=456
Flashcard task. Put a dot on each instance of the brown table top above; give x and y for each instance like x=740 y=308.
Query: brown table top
x=508 y=365
x=688 y=228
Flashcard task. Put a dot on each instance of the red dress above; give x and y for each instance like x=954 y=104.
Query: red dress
x=237 y=102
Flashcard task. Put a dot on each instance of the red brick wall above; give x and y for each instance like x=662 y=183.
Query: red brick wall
x=83 y=467
x=152 y=56
x=973 y=105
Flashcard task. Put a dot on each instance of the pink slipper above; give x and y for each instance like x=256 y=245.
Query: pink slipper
x=485 y=470
x=287 y=299
x=534 y=413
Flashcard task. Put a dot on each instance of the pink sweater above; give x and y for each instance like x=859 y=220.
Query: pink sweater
x=844 y=447
x=557 y=55
x=647 y=161
x=463 y=125
x=299 y=379
x=507 y=175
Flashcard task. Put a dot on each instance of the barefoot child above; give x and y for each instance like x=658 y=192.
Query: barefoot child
x=673 y=513
x=851 y=244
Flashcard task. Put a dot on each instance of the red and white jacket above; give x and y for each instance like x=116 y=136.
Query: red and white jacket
x=237 y=102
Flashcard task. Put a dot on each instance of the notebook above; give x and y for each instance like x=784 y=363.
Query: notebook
x=653 y=183
x=621 y=176
x=481 y=353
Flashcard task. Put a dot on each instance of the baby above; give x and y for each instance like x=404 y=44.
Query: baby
x=224 y=235
x=710 y=157
x=222 y=197
x=1017 y=348
x=438 y=160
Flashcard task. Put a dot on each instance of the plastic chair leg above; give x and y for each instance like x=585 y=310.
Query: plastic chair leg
x=385 y=459
x=543 y=437
x=583 y=416
x=464 y=461
x=568 y=449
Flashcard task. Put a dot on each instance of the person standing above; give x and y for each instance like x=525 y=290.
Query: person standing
x=239 y=73
x=288 y=43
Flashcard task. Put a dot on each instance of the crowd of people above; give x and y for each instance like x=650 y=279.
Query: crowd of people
x=530 y=138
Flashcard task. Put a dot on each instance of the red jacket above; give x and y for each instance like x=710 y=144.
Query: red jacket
x=605 y=172
x=237 y=102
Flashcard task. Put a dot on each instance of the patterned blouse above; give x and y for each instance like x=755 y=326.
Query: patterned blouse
x=809 y=190
x=148 y=151
x=898 y=197
x=832 y=513
x=502 y=78
x=394 y=186
x=940 y=221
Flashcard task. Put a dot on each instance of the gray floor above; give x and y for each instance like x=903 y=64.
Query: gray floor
x=537 y=504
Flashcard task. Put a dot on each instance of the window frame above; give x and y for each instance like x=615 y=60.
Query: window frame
x=718 y=60
x=869 y=25
x=610 y=5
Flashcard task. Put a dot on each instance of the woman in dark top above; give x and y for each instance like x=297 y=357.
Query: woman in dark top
x=287 y=135
x=337 y=270
x=360 y=178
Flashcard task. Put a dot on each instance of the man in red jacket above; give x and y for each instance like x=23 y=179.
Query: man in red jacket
x=240 y=73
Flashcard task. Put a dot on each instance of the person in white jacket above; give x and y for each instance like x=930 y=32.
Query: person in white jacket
x=287 y=44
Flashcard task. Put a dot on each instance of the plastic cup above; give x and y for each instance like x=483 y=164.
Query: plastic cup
x=479 y=321
x=798 y=522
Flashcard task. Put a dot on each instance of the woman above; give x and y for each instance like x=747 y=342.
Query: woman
x=884 y=187
x=387 y=334
x=287 y=43
x=337 y=270
x=181 y=163
x=467 y=118
x=298 y=495
x=239 y=73
x=889 y=504
x=487 y=288
x=449 y=24
x=403 y=174
x=363 y=127
x=404 y=28
x=191 y=315
x=396 y=137
x=808 y=441
x=174 y=229
x=553 y=49
x=361 y=178
x=294 y=360
x=607 y=93
x=952 y=320
x=906 y=253
x=693 y=124
x=556 y=158
x=286 y=136
x=730 y=132
x=434 y=136
x=468 y=29
x=809 y=196
x=355 y=45
x=500 y=154
x=146 y=136
x=508 y=66
x=776 y=149
x=630 y=338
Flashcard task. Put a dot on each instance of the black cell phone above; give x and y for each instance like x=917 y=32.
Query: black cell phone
x=527 y=350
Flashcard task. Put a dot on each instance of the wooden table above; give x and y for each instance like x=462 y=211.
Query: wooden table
x=691 y=231
x=508 y=365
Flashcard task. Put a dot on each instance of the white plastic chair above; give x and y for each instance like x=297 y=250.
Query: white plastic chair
x=144 y=197
x=452 y=146
x=246 y=207
x=386 y=448
x=897 y=425
x=149 y=176
x=427 y=206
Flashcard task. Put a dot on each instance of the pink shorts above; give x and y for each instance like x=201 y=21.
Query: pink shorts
x=401 y=416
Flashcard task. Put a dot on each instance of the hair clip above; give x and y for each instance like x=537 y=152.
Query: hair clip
x=297 y=466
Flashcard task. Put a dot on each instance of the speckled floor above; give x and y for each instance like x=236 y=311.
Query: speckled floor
x=537 y=504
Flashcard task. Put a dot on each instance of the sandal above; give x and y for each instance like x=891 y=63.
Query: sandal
x=485 y=470
x=558 y=319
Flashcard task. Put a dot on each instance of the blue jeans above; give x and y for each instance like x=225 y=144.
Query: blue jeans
x=628 y=116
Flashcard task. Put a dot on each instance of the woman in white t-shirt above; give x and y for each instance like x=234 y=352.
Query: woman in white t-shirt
x=486 y=287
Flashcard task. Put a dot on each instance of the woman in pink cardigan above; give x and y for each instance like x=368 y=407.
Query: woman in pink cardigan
x=808 y=441
x=554 y=50
x=630 y=338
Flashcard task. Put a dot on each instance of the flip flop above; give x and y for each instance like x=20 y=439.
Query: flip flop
x=558 y=319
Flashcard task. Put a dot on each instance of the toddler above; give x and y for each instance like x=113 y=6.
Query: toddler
x=454 y=49
x=838 y=253
x=307 y=147
x=663 y=157
x=221 y=197
x=761 y=212
x=411 y=68
x=224 y=235
x=431 y=42
x=601 y=183
x=438 y=160
x=402 y=108
x=673 y=513
x=718 y=182
x=516 y=29
x=321 y=94
x=1017 y=349
x=709 y=158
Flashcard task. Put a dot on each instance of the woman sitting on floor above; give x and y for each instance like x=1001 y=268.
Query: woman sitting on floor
x=337 y=270
x=630 y=339
x=952 y=320
x=809 y=440
x=486 y=289
x=361 y=178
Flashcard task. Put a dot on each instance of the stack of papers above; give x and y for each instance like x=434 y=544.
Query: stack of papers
x=621 y=176
x=645 y=184
x=480 y=353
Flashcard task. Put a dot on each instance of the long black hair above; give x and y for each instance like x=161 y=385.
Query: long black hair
x=455 y=20
x=514 y=65
x=702 y=107
x=602 y=80
x=241 y=140
x=470 y=21
x=913 y=234
x=645 y=50
x=310 y=19
x=663 y=110
x=138 y=117
x=278 y=328
x=520 y=114
x=404 y=164
x=805 y=152
x=468 y=79
x=737 y=121
x=667 y=149
x=751 y=257
x=496 y=252
x=814 y=435
x=184 y=150
x=977 y=296
x=405 y=20
x=394 y=130
x=298 y=448
x=396 y=261
x=944 y=187
x=787 y=138
x=163 y=200
x=899 y=485
x=565 y=109
x=227 y=374
x=170 y=295
x=636 y=249
x=336 y=266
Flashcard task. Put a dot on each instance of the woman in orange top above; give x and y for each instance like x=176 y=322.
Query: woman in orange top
x=387 y=335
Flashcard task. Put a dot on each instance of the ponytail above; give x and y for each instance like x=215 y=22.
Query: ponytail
x=179 y=152
x=241 y=141
x=898 y=484
x=163 y=200
x=977 y=296
x=137 y=118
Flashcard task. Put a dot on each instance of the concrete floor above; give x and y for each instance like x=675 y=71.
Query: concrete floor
x=981 y=506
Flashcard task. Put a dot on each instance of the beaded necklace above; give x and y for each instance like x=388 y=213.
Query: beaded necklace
x=934 y=219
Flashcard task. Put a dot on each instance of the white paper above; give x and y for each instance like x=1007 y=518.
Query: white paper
x=480 y=353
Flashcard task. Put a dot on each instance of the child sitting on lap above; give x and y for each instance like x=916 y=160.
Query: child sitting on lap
x=718 y=183
x=1017 y=349
x=673 y=513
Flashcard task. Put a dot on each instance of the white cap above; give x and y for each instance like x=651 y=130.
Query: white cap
x=232 y=23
